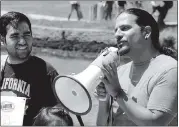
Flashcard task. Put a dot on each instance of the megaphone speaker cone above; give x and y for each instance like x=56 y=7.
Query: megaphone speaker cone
x=72 y=95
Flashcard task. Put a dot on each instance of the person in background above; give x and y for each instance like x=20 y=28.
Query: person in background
x=53 y=116
x=121 y=6
x=138 y=4
x=154 y=5
x=163 y=10
x=22 y=74
x=144 y=91
x=75 y=5
x=108 y=10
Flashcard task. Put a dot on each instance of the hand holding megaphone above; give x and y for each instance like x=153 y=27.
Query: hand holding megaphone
x=109 y=69
x=100 y=93
x=73 y=91
x=111 y=80
x=110 y=64
x=110 y=55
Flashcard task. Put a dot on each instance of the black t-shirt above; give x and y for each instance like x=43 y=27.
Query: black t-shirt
x=33 y=80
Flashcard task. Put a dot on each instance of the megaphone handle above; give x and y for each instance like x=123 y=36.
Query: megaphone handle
x=80 y=120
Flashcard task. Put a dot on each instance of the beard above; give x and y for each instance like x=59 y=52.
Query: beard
x=20 y=54
x=23 y=54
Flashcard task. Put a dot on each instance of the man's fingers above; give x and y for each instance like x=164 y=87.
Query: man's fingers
x=101 y=85
x=107 y=67
x=113 y=65
x=114 y=68
x=105 y=70
x=101 y=91
x=95 y=93
x=98 y=93
x=105 y=81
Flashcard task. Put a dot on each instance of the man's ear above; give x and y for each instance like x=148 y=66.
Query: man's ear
x=147 y=32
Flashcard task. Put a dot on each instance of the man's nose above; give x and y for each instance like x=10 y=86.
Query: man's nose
x=118 y=35
x=22 y=41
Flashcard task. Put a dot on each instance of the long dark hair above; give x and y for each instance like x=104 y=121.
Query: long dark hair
x=146 y=19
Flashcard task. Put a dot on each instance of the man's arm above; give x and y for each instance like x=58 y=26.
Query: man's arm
x=51 y=74
x=104 y=105
x=142 y=116
x=103 y=113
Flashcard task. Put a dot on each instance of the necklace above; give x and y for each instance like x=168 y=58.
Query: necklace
x=142 y=63
x=147 y=61
x=137 y=70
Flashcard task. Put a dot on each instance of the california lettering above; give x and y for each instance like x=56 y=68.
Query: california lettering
x=17 y=85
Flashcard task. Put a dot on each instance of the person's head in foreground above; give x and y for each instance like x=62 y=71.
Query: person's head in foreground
x=53 y=116
x=16 y=34
x=137 y=29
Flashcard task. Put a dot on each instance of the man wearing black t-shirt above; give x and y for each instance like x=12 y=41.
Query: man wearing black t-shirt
x=22 y=74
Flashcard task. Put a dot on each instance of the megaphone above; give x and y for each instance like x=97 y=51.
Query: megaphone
x=73 y=91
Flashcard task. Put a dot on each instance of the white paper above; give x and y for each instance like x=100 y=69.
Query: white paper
x=12 y=110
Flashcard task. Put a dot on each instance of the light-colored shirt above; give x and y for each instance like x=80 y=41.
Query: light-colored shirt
x=156 y=89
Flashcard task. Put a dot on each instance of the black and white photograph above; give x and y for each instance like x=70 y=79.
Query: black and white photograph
x=89 y=63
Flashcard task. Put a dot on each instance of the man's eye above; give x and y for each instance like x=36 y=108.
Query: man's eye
x=27 y=35
x=125 y=28
x=14 y=36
